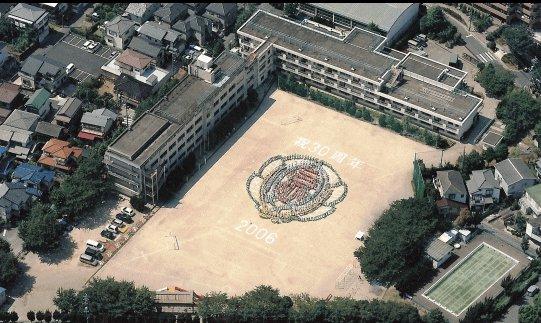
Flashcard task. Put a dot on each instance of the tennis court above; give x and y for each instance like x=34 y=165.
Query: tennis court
x=470 y=278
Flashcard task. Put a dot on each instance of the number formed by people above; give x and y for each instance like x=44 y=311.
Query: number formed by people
x=259 y=233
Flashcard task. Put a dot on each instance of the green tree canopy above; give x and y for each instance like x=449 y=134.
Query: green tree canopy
x=496 y=80
x=531 y=313
x=9 y=268
x=393 y=253
x=436 y=26
x=520 y=40
x=40 y=231
x=520 y=112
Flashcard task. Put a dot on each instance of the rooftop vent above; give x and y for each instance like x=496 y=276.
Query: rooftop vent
x=300 y=49
x=266 y=36
x=406 y=98
x=353 y=68
x=326 y=58
x=460 y=118
x=433 y=108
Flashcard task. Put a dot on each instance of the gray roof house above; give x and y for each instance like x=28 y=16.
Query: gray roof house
x=40 y=71
x=223 y=15
x=162 y=35
x=47 y=130
x=13 y=199
x=96 y=124
x=141 y=12
x=119 y=31
x=483 y=188
x=145 y=47
x=169 y=13
x=25 y=15
x=438 y=251
x=195 y=27
x=69 y=114
x=514 y=176
x=18 y=129
x=451 y=185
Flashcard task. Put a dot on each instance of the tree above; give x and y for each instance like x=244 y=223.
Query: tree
x=501 y=152
x=382 y=120
x=217 y=48
x=436 y=26
x=40 y=230
x=525 y=243
x=13 y=316
x=435 y=316
x=9 y=266
x=40 y=316
x=56 y=315
x=47 y=316
x=536 y=77
x=496 y=80
x=367 y=115
x=264 y=303
x=506 y=282
x=244 y=14
x=520 y=40
x=492 y=45
x=290 y=9
x=213 y=305
x=470 y=162
x=66 y=300
x=520 y=112
x=393 y=253
x=531 y=313
x=31 y=316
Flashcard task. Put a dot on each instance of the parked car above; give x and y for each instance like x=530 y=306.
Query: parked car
x=96 y=245
x=87 y=43
x=117 y=222
x=87 y=259
x=94 y=46
x=70 y=68
x=108 y=234
x=93 y=253
x=128 y=211
x=125 y=218
x=113 y=228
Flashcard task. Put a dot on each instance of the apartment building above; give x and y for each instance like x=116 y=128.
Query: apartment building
x=358 y=66
x=24 y=15
x=529 y=13
x=142 y=157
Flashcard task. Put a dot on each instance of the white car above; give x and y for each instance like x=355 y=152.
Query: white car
x=70 y=68
x=94 y=46
x=113 y=228
x=128 y=211
x=88 y=42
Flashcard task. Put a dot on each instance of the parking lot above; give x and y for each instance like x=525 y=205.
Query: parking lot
x=87 y=64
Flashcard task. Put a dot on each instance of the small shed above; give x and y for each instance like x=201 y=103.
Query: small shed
x=532 y=290
x=438 y=251
x=465 y=235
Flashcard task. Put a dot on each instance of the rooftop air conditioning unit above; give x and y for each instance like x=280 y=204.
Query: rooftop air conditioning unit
x=300 y=49
x=433 y=108
x=326 y=58
x=406 y=98
x=353 y=68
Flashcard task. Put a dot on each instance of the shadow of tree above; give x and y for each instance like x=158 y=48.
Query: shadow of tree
x=64 y=251
x=101 y=213
x=23 y=284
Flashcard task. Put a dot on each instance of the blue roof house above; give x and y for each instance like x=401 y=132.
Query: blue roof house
x=35 y=178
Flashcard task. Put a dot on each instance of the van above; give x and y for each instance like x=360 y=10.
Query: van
x=413 y=43
x=96 y=245
x=84 y=258
x=70 y=68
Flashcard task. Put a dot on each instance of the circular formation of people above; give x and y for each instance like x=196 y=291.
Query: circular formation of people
x=295 y=188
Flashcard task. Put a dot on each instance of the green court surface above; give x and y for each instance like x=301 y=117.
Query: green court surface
x=470 y=278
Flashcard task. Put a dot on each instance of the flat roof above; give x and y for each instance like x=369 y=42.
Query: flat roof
x=356 y=52
x=140 y=135
x=535 y=193
x=450 y=104
x=382 y=14
x=433 y=70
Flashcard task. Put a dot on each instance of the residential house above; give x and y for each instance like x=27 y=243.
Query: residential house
x=195 y=28
x=69 y=114
x=39 y=103
x=170 y=13
x=138 y=66
x=530 y=203
x=449 y=208
x=141 y=12
x=56 y=10
x=13 y=199
x=162 y=35
x=10 y=95
x=47 y=130
x=483 y=188
x=533 y=229
x=451 y=185
x=17 y=132
x=131 y=90
x=25 y=15
x=514 y=176
x=196 y=8
x=60 y=155
x=223 y=15
x=39 y=71
x=438 y=251
x=119 y=31
x=96 y=124
x=8 y=64
x=37 y=180
x=145 y=47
